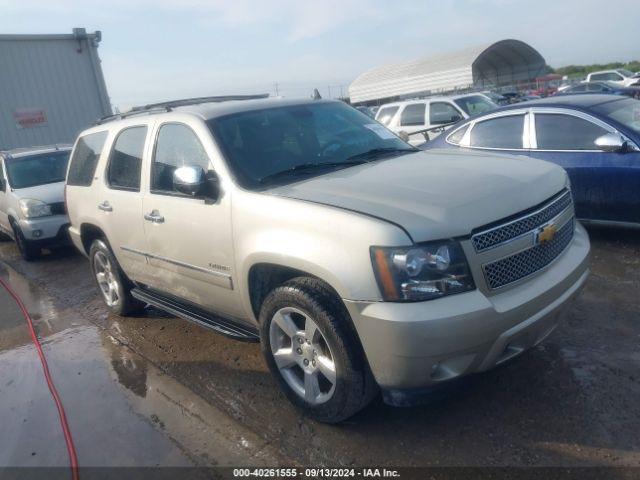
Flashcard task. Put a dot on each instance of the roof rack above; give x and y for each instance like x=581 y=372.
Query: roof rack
x=171 y=104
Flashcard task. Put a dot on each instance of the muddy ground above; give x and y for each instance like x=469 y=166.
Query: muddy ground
x=158 y=390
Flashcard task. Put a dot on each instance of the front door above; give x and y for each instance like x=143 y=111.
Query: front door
x=189 y=240
x=604 y=184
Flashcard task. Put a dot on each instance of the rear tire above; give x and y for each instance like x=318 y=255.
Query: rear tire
x=27 y=249
x=114 y=285
x=313 y=351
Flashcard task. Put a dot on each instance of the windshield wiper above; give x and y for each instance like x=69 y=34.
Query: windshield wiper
x=308 y=167
x=377 y=153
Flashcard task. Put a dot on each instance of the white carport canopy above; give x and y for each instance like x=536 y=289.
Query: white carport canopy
x=501 y=63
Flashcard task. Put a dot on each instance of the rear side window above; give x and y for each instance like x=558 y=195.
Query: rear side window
x=566 y=132
x=413 y=114
x=177 y=146
x=125 y=161
x=599 y=76
x=443 y=112
x=85 y=159
x=500 y=132
x=386 y=114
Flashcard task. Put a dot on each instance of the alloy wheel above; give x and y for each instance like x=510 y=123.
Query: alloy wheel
x=302 y=355
x=107 y=281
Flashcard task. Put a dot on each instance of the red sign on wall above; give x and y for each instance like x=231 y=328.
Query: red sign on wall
x=30 y=117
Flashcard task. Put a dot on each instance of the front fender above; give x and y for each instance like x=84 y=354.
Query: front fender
x=327 y=242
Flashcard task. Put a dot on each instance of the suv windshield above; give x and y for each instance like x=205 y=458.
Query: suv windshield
x=278 y=145
x=25 y=172
x=626 y=111
x=474 y=104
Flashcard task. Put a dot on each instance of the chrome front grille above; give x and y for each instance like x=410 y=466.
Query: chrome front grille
x=495 y=236
x=516 y=267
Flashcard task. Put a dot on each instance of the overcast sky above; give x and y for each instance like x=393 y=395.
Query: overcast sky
x=160 y=49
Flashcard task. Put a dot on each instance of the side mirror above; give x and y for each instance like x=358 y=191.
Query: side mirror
x=193 y=181
x=611 y=142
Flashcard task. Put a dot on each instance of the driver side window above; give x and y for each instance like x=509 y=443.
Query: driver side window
x=176 y=146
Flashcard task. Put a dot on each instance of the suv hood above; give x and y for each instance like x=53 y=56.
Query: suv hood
x=436 y=194
x=48 y=193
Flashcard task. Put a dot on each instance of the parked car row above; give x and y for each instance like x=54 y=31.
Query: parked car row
x=361 y=263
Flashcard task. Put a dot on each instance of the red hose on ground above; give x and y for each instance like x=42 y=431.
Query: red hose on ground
x=73 y=459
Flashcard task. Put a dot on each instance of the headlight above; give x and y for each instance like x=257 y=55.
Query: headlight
x=421 y=272
x=34 y=208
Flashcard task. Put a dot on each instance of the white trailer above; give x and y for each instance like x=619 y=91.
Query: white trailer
x=51 y=88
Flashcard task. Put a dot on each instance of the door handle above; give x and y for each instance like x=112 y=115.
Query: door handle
x=154 y=217
x=105 y=206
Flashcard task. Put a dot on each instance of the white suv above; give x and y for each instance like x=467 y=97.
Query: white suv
x=358 y=261
x=32 y=197
x=410 y=118
x=620 y=76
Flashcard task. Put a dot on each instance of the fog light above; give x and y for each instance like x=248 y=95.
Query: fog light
x=37 y=233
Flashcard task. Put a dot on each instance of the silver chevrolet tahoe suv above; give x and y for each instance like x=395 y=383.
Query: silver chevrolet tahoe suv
x=359 y=263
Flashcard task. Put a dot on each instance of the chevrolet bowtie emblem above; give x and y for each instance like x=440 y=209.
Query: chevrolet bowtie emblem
x=546 y=233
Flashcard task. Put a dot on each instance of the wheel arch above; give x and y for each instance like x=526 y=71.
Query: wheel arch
x=90 y=232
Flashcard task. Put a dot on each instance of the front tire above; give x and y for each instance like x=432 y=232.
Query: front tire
x=114 y=285
x=27 y=249
x=313 y=351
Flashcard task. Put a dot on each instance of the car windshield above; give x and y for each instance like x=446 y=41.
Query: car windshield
x=474 y=104
x=626 y=112
x=25 y=172
x=277 y=145
x=625 y=72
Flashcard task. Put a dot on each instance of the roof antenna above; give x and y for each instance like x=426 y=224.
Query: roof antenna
x=316 y=94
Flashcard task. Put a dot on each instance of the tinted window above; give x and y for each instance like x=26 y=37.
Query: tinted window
x=177 y=146
x=442 y=112
x=125 y=161
x=475 y=104
x=599 y=76
x=413 y=114
x=456 y=137
x=386 y=114
x=85 y=159
x=25 y=172
x=285 y=144
x=501 y=132
x=578 y=88
x=566 y=132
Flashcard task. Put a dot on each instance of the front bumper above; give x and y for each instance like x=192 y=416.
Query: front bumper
x=415 y=345
x=46 y=231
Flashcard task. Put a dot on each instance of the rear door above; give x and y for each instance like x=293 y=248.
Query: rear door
x=604 y=184
x=505 y=132
x=189 y=239
x=120 y=200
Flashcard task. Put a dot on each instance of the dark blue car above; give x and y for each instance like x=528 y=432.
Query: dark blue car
x=596 y=138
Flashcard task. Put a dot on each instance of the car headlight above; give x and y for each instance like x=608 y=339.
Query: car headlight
x=34 y=208
x=421 y=272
